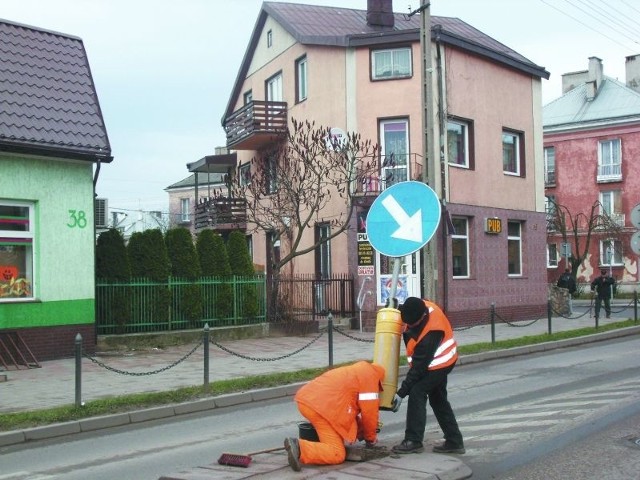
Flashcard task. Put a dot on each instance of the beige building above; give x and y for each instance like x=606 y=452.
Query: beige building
x=361 y=71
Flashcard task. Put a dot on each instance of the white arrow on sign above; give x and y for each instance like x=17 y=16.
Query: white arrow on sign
x=410 y=226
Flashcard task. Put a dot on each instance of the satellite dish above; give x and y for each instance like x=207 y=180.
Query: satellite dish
x=337 y=139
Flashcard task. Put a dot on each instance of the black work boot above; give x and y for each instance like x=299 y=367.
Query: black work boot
x=408 y=446
x=448 y=447
x=292 y=447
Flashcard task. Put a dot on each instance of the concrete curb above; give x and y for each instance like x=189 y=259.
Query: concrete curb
x=155 y=413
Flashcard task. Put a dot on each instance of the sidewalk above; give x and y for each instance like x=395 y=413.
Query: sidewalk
x=159 y=370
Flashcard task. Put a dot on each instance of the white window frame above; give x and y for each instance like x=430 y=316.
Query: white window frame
x=464 y=126
x=514 y=239
x=461 y=236
x=27 y=236
x=391 y=58
x=244 y=171
x=609 y=160
x=552 y=255
x=301 y=79
x=511 y=138
x=394 y=166
x=549 y=165
x=616 y=259
x=185 y=209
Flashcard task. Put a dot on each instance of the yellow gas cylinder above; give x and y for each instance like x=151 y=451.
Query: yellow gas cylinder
x=386 y=351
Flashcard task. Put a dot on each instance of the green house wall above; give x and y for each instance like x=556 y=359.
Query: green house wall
x=64 y=262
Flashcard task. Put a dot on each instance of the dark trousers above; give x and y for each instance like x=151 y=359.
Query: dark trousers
x=607 y=305
x=434 y=388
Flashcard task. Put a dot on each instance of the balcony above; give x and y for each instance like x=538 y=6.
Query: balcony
x=256 y=125
x=609 y=173
x=221 y=214
x=393 y=169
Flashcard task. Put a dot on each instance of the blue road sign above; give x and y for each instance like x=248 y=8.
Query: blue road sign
x=403 y=218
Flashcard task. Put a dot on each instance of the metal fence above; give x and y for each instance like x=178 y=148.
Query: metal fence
x=141 y=305
x=144 y=306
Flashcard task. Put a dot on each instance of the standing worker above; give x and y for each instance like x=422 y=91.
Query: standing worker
x=432 y=353
x=603 y=286
x=342 y=405
x=567 y=281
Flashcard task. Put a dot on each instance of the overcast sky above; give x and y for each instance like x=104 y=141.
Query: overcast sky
x=164 y=69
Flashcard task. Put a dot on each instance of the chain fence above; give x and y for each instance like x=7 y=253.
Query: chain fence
x=493 y=319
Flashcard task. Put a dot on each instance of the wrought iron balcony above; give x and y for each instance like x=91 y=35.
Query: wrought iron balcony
x=255 y=125
x=221 y=214
x=393 y=169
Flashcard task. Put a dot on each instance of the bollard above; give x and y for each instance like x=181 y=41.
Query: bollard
x=206 y=357
x=78 y=344
x=386 y=352
x=493 y=322
x=330 y=333
x=549 y=316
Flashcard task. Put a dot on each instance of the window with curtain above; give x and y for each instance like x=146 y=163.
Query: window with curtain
x=610 y=160
x=16 y=250
x=549 y=166
x=184 y=209
x=391 y=63
x=394 y=147
x=460 y=247
x=510 y=153
x=514 y=248
x=458 y=133
x=301 y=79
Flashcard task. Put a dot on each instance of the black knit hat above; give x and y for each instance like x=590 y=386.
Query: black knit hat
x=412 y=310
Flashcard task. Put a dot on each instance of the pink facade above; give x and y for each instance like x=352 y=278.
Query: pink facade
x=592 y=133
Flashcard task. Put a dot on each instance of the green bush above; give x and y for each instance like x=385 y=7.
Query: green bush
x=112 y=265
x=242 y=266
x=214 y=262
x=185 y=265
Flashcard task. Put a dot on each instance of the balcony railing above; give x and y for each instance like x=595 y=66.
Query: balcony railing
x=255 y=125
x=393 y=169
x=221 y=214
x=549 y=178
x=609 y=173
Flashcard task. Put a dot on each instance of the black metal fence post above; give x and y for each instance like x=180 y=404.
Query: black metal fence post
x=635 y=307
x=493 y=322
x=205 y=341
x=330 y=333
x=549 y=316
x=78 y=349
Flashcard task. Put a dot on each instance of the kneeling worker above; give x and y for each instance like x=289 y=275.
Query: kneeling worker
x=342 y=405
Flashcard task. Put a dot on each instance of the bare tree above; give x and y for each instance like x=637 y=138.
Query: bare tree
x=308 y=177
x=579 y=228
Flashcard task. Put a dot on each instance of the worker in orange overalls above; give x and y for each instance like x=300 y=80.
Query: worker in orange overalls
x=342 y=405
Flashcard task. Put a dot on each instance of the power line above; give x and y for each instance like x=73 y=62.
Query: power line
x=605 y=18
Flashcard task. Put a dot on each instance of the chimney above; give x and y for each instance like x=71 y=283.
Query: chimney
x=595 y=77
x=632 y=72
x=380 y=13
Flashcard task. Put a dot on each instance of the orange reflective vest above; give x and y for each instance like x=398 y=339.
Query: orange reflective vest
x=447 y=352
x=341 y=394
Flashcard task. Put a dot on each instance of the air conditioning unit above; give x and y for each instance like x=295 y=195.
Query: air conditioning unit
x=101 y=213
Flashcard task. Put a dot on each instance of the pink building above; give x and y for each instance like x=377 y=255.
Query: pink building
x=360 y=71
x=591 y=148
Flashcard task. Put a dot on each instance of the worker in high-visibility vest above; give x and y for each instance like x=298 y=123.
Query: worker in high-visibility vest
x=431 y=353
x=343 y=406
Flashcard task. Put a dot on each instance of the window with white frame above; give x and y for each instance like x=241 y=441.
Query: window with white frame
x=17 y=234
x=301 y=79
x=514 y=248
x=611 y=205
x=184 y=209
x=247 y=97
x=611 y=252
x=610 y=160
x=458 y=143
x=512 y=153
x=391 y=63
x=550 y=166
x=460 y=247
x=552 y=255
x=394 y=148
x=269 y=38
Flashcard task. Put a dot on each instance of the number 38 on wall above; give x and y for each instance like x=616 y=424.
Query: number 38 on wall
x=77 y=219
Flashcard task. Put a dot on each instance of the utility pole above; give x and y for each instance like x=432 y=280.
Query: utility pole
x=431 y=158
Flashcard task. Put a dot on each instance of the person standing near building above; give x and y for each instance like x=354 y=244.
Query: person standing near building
x=604 y=287
x=432 y=353
x=567 y=281
x=343 y=405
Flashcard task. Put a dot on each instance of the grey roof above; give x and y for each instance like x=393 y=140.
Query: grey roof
x=48 y=101
x=614 y=103
x=346 y=27
x=204 y=179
